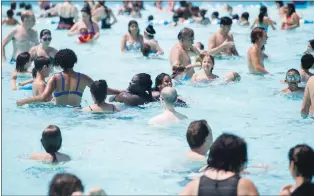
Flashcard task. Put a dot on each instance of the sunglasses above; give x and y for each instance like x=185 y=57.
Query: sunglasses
x=47 y=39
x=293 y=77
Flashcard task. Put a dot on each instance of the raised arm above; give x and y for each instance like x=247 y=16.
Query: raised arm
x=6 y=40
x=114 y=17
x=213 y=50
x=306 y=100
x=256 y=61
x=253 y=24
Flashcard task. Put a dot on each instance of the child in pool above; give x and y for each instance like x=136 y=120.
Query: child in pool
x=293 y=78
x=23 y=62
x=206 y=74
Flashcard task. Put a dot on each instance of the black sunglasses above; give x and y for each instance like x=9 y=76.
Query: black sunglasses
x=47 y=39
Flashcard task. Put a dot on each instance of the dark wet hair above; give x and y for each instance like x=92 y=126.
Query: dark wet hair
x=99 y=90
x=291 y=9
x=225 y=21
x=86 y=9
x=262 y=13
x=22 y=5
x=293 y=70
x=307 y=61
x=183 y=4
x=133 y=22
x=10 y=13
x=28 y=7
x=203 y=12
x=51 y=140
x=21 y=61
x=146 y=49
x=13 y=5
x=64 y=184
x=65 y=58
x=141 y=83
x=216 y=14
x=197 y=132
x=312 y=43
x=159 y=79
x=280 y=3
x=150 y=31
x=245 y=15
x=185 y=32
x=39 y=63
x=256 y=33
x=235 y=16
x=228 y=153
x=302 y=156
x=150 y=17
x=44 y=32
x=175 y=17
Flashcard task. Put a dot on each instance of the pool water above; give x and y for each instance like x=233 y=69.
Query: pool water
x=120 y=152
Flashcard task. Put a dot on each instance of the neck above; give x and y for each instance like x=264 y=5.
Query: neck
x=307 y=71
x=300 y=180
x=201 y=150
x=40 y=76
x=43 y=46
x=133 y=35
x=258 y=44
x=221 y=31
x=24 y=26
x=169 y=108
x=207 y=72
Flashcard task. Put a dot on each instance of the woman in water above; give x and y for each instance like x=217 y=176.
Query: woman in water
x=67 y=86
x=149 y=34
x=133 y=40
x=301 y=166
x=23 y=62
x=263 y=20
x=104 y=14
x=227 y=158
x=291 y=20
x=206 y=74
x=51 y=140
x=99 y=94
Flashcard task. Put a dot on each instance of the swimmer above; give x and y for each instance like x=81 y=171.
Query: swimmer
x=244 y=19
x=281 y=8
x=222 y=42
x=263 y=20
x=308 y=99
x=150 y=19
x=99 y=94
x=135 y=11
x=146 y=50
x=307 y=62
x=199 y=137
x=168 y=98
x=51 y=140
x=149 y=34
x=293 y=78
x=158 y=5
x=23 y=37
x=310 y=47
x=229 y=9
x=201 y=19
x=291 y=20
x=65 y=184
x=23 y=62
x=235 y=18
x=215 y=17
x=10 y=20
x=133 y=40
x=206 y=74
x=104 y=14
x=232 y=77
x=255 y=57
x=301 y=161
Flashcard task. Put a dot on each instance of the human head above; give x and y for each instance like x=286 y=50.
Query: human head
x=150 y=32
x=228 y=153
x=42 y=64
x=28 y=19
x=290 y=9
x=13 y=5
x=186 y=37
x=198 y=134
x=235 y=17
x=98 y=90
x=10 y=13
x=232 y=77
x=225 y=24
x=199 y=46
x=150 y=18
x=307 y=61
x=245 y=16
x=45 y=37
x=51 y=139
x=293 y=77
x=215 y=15
x=146 y=49
x=64 y=184
x=279 y=4
x=175 y=17
x=169 y=95
x=86 y=13
x=65 y=58
x=22 y=5
x=301 y=161
x=133 y=27
x=202 y=12
x=207 y=62
x=23 y=61
x=141 y=85
x=259 y=35
x=28 y=7
x=228 y=8
x=162 y=80
x=262 y=14
x=310 y=46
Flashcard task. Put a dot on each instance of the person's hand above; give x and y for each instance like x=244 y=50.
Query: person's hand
x=96 y=191
x=228 y=44
x=19 y=102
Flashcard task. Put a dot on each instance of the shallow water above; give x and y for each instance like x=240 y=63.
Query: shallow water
x=121 y=153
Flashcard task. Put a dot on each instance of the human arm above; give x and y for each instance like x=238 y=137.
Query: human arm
x=6 y=40
x=271 y=23
x=73 y=30
x=213 y=50
x=256 y=60
x=13 y=80
x=246 y=187
x=305 y=109
x=123 y=42
x=41 y=89
x=25 y=82
x=285 y=191
x=113 y=16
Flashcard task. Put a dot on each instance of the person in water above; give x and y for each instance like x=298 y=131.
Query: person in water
x=44 y=48
x=308 y=99
x=138 y=93
x=67 y=86
x=255 y=57
x=291 y=20
x=293 y=78
x=199 y=137
x=227 y=158
x=168 y=98
x=99 y=94
x=263 y=20
x=244 y=19
x=199 y=46
x=215 y=17
x=65 y=184
x=301 y=162
x=232 y=77
x=23 y=63
x=307 y=62
x=104 y=14
x=222 y=42
x=310 y=47
x=149 y=34
x=85 y=23
x=23 y=37
x=133 y=40
x=201 y=19
x=10 y=20
x=281 y=8
x=51 y=140
x=207 y=62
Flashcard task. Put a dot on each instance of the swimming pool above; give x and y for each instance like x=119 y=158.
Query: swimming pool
x=121 y=153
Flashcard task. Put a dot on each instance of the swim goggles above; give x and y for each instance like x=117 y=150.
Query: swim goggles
x=293 y=77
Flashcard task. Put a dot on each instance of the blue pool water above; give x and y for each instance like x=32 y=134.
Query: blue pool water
x=121 y=153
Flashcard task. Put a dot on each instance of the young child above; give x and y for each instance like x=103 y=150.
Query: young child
x=293 y=78
x=307 y=62
x=22 y=64
x=10 y=20
x=244 y=19
x=207 y=63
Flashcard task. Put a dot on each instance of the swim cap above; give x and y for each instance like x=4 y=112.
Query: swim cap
x=150 y=30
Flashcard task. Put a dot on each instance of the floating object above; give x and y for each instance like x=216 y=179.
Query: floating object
x=307 y=21
x=85 y=38
x=164 y=22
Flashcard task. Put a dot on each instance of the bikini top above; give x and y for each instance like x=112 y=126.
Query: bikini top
x=63 y=92
x=133 y=45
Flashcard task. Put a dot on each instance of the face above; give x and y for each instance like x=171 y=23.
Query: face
x=46 y=39
x=293 y=78
x=207 y=63
x=309 y=47
x=166 y=81
x=286 y=9
x=30 y=21
x=226 y=28
x=46 y=70
x=264 y=38
x=188 y=41
x=134 y=28
x=198 y=45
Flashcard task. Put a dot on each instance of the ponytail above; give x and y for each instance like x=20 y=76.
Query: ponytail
x=34 y=72
x=262 y=14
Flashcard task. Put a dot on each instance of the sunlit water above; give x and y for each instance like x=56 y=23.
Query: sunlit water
x=121 y=153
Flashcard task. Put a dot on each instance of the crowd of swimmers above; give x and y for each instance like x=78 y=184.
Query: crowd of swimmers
x=227 y=155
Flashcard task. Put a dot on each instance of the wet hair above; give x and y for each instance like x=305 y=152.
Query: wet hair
x=183 y=4
x=64 y=184
x=185 y=32
x=307 y=61
x=86 y=9
x=133 y=22
x=312 y=43
x=235 y=16
x=302 y=156
x=150 y=31
x=13 y=5
x=293 y=70
x=51 y=140
x=22 y=5
x=150 y=18
x=291 y=9
x=39 y=63
x=44 y=32
x=203 y=12
x=262 y=13
x=169 y=95
x=175 y=17
x=99 y=90
x=280 y=3
x=146 y=49
x=159 y=80
x=225 y=21
x=256 y=33
x=197 y=132
x=228 y=153
x=21 y=61
x=10 y=13
x=216 y=14
x=245 y=15
x=141 y=85
x=65 y=58
x=201 y=45
x=28 y=7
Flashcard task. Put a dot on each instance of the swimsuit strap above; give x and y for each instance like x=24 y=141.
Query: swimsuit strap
x=78 y=81
x=63 y=83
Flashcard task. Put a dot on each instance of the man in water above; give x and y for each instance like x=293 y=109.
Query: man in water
x=221 y=42
x=255 y=58
x=293 y=78
x=307 y=62
x=308 y=99
x=23 y=37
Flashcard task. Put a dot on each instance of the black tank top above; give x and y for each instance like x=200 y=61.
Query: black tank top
x=227 y=187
